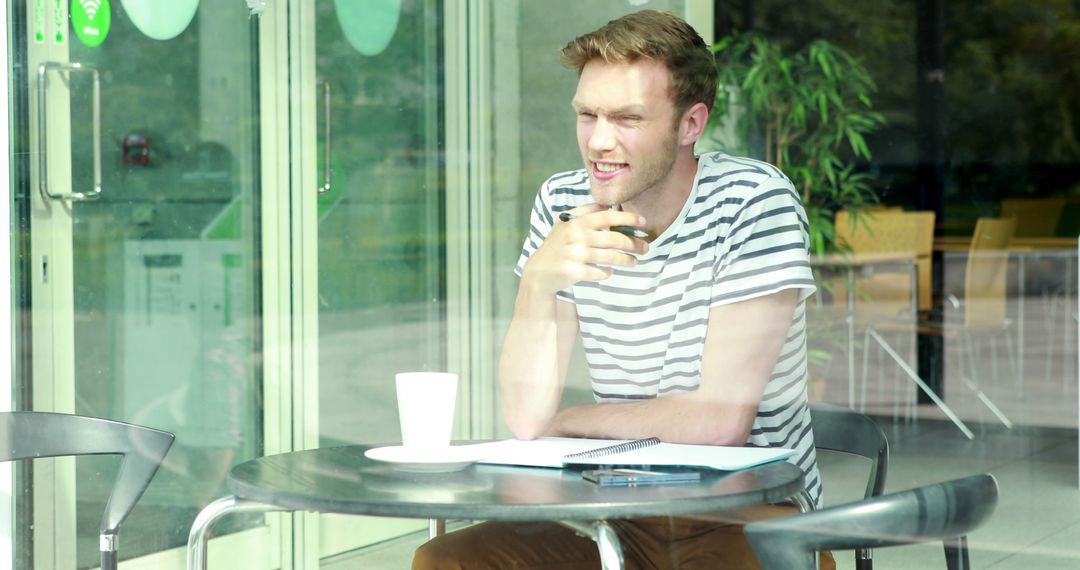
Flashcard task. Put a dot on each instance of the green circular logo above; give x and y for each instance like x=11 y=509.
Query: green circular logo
x=91 y=20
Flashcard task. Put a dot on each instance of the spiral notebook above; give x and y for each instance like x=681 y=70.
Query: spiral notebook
x=562 y=452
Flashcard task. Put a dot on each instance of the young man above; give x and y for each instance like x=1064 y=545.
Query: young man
x=694 y=334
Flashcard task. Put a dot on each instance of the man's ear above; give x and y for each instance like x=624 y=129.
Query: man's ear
x=692 y=123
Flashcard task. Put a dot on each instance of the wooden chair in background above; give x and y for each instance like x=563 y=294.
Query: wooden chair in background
x=887 y=291
x=984 y=307
x=890 y=231
x=1035 y=217
x=985 y=302
x=985 y=292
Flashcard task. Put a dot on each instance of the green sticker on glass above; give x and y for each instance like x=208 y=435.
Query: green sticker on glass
x=91 y=20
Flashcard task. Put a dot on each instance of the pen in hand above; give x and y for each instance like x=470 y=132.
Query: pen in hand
x=625 y=230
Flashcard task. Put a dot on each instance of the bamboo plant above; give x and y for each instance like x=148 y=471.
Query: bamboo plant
x=807 y=112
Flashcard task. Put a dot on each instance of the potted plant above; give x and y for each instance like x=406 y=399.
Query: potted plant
x=807 y=113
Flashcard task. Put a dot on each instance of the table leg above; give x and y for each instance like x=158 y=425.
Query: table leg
x=913 y=406
x=1066 y=367
x=851 y=336
x=611 y=555
x=803 y=501
x=436 y=528
x=196 y=549
x=1021 y=287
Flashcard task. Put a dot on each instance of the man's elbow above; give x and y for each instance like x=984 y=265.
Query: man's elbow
x=730 y=429
x=527 y=427
x=524 y=432
x=729 y=437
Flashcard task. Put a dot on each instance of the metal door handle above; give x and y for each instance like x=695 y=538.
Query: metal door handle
x=326 y=136
x=43 y=124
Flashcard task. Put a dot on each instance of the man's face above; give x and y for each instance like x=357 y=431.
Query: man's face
x=626 y=128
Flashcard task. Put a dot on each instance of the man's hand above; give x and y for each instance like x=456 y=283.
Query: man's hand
x=583 y=250
x=540 y=339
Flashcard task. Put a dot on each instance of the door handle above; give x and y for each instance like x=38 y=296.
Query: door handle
x=43 y=124
x=326 y=136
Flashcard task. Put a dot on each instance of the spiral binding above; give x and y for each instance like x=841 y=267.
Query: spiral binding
x=613 y=449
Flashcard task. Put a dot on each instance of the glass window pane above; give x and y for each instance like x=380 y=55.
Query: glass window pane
x=381 y=223
x=165 y=271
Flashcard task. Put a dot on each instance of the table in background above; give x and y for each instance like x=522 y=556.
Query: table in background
x=865 y=262
x=1023 y=249
x=341 y=480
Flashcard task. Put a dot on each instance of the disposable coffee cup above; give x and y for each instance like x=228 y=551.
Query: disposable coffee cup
x=426 y=407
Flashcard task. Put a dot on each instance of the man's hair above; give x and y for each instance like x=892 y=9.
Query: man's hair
x=655 y=35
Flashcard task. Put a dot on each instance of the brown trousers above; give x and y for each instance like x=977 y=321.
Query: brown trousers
x=707 y=542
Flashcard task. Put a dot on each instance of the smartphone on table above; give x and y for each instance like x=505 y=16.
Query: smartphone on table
x=612 y=477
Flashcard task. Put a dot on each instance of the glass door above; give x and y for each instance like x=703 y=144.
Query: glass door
x=381 y=223
x=135 y=128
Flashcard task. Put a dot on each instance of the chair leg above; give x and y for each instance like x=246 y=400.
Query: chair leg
x=865 y=356
x=1014 y=365
x=913 y=392
x=864 y=559
x=895 y=400
x=956 y=554
x=995 y=377
x=973 y=385
x=972 y=366
x=1050 y=308
x=109 y=558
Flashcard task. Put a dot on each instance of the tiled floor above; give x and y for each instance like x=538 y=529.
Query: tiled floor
x=1037 y=522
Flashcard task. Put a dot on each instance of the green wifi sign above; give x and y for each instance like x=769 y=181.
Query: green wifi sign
x=91 y=20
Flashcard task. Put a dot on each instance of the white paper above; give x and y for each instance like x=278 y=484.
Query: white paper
x=542 y=452
x=550 y=452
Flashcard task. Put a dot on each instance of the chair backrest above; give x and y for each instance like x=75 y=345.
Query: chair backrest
x=886 y=230
x=891 y=231
x=847 y=431
x=30 y=435
x=1035 y=217
x=987 y=269
x=942 y=511
x=874 y=231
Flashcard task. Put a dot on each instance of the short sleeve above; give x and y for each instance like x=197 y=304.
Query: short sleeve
x=766 y=247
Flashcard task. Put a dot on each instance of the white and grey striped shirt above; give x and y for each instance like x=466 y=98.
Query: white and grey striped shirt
x=741 y=234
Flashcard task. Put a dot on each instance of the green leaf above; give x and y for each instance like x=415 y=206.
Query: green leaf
x=824 y=63
x=817 y=101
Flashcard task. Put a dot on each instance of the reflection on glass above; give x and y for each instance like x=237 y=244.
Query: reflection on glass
x=368 y=26
x=160 y=20
x=166 y=307
x=381 y=234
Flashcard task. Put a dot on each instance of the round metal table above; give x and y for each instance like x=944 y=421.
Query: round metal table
x=341 y=480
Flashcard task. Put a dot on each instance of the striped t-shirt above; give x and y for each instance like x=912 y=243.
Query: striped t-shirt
x=741 y=234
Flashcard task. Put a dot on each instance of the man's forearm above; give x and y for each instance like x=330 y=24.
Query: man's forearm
x=530 y=366
x=736 y=366
x=682 y=418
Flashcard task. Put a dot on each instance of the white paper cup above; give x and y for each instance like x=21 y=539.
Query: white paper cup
x=426 y=407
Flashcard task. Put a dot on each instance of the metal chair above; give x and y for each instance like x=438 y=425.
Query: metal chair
x=943 y=511
x=30 y=435
x=847 y=431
